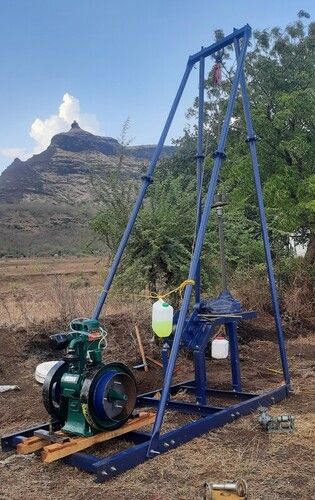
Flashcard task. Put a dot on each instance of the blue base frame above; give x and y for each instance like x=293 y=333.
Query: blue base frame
x=210 y=418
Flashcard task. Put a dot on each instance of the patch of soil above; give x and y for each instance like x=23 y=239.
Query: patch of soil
x=276 y=466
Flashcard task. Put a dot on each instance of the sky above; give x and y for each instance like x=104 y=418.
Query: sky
x=101 y=61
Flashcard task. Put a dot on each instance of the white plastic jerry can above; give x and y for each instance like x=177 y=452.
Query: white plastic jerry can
x=162 y=318
x=220 y=348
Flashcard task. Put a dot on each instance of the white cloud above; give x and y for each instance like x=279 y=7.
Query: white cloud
x=14 y=153
x=69 y=110
x=42 y=130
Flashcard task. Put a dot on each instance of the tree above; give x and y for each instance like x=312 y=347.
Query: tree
x=280 y=72
x=116 y=195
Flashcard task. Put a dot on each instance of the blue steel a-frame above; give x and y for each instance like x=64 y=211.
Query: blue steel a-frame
x=195 y=330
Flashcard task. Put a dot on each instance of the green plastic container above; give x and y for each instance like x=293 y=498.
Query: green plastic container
x=162 y=318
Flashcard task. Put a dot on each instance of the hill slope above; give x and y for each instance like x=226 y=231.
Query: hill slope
x=47 y=200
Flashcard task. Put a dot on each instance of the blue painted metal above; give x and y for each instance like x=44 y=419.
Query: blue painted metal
x=199 y=329
x=219 y=156
x=221 y=392
x=147 y=179
x=112 y=466
x=200 y=376
x=244 y=32
x=84 y=461
x=137 y=437
x=98 y=396
x=199 y=166
x=190 y=386
x=234 y=354
x=263 y=222
x=180 y=406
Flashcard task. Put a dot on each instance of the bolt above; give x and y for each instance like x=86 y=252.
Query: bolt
x=172 y=441
x=273 y=399
x=104 y=473
x=232 y=415
x=113 y=469
x=238 y=414
x=166 y=445
x=155 y=452
x=116 y=382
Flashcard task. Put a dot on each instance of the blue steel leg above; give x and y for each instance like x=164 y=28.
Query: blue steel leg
x=199 y=167
x=147 y=179
x=272 y=284
x=219 y=156
x=200 y=377
x=231 y=330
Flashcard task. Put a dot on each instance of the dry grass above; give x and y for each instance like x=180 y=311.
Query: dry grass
x=41 y=291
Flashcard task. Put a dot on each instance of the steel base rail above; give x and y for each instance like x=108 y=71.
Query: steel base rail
x=125 y=460
x=111 y=466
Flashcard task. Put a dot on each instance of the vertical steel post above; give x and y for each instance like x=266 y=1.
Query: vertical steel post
x=263 y=223
x=219 y=156
x=200 y=376
x=199 y=165
x=231 y=330
x=147 y=179
x=222 y=247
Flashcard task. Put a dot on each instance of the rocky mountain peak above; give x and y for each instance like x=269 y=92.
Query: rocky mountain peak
x=64 y=169
x=75 y=125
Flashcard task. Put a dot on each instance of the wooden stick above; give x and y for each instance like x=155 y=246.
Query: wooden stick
x=155 y=362
x=159 y=364
x=141 y=349
x=274 y=371
x=56 y=451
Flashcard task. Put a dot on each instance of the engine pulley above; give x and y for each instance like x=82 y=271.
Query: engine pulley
x=108 y=396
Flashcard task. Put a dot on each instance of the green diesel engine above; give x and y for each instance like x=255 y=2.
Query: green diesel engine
x=81 y=391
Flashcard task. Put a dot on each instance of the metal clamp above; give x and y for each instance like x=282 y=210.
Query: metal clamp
x=147 y=178
x=254 y=138
x=219 y=154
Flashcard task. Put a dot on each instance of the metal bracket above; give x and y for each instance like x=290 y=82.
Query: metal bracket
x=51 y=437
x=219 y=154
x=147 y=178
x=254 y=138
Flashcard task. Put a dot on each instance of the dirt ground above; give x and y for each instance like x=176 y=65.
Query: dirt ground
x=276 y=466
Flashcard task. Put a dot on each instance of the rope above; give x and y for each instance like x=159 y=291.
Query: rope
x=178 y=289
